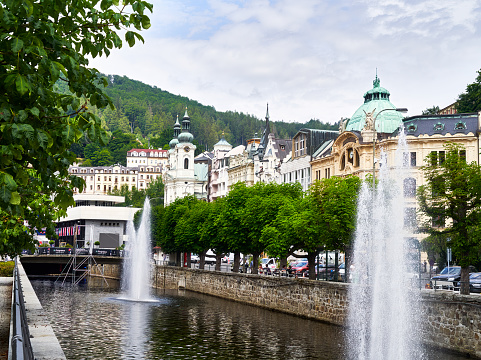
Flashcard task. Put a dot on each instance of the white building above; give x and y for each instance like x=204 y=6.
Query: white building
x=97 y=218
x=219 y=176
x=179 y=177
x=269 y=155
x=105 y=179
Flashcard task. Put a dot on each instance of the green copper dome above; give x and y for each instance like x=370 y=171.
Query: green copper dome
x=376 y=100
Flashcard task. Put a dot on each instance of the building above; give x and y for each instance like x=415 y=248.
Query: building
x=147 y=157
x=449 y=110
x=179 y=177
x=219 y=175
x=297 y=165
x=95 y=218
x=351 y=153
x=105 y=179
x=269 y=155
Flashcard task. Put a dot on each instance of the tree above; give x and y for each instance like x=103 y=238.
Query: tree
x=42 y=41
x=470 y=101
x=324 y=219
x=450 y=202
x=431 y=111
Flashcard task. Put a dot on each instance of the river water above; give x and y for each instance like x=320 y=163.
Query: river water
x=91 y=323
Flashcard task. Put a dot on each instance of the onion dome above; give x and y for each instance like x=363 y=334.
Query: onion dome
x=185 y=136
x=376 y=100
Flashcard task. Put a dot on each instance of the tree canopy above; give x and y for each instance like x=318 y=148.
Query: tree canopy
x=450 y=203
x=276 y=219
x=470 y=100
x=43 y=42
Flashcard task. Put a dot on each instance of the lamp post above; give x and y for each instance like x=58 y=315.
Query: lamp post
x=401 y=110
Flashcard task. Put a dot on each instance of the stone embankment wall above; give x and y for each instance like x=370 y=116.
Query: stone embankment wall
x=300 y=297
x=110 y=271
x=451 y=321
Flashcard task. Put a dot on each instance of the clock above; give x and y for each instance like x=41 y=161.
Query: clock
x=186 y=149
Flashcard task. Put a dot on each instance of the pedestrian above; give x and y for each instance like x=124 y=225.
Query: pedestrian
x=425 y=266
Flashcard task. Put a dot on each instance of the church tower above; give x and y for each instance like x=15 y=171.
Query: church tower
x=179 y=179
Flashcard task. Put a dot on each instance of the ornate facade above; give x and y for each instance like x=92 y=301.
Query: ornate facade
x=179 y=177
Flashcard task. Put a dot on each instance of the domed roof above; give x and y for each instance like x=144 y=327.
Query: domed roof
x=376 y=100
x=222 y=144
x=173 y=142
x=185 y=137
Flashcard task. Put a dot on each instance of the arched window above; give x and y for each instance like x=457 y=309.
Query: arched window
x=409 y=187
x=186 y=163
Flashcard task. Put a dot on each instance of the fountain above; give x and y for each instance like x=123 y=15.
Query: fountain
x=136 y=279
x=383 y=319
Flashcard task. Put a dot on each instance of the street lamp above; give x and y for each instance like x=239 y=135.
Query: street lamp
x=401 y=110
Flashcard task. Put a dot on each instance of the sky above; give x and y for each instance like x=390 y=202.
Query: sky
x=309 y=59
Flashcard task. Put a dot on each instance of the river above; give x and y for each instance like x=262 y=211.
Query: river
x=91 y=323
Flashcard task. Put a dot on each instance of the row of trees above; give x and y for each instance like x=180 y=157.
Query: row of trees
x=278 y=219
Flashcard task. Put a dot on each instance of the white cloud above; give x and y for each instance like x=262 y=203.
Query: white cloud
x=308 y=58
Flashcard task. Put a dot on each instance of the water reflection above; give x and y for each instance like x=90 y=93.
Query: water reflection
x=91 y=324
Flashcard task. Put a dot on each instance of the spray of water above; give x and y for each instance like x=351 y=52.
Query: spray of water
x=137 y=267
x=383 y=319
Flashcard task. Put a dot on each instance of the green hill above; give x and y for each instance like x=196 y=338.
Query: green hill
x=150 y=112
x=144 y=116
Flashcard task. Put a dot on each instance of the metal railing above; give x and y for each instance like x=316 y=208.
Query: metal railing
x=21 y=346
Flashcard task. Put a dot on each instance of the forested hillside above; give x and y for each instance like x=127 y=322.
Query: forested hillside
x=148 y=114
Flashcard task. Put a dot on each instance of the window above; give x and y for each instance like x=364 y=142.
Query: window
x=413 y=158
x=410 y=218
x=438 y=221
x=409 y=187
x=442 y=157
x=186 y=163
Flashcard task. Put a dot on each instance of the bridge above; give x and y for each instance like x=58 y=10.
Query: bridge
x=55 y=264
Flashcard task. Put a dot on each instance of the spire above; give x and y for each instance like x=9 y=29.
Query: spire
x=268 y=128
x=177 y=127
x=186 y=136
x=377 y=82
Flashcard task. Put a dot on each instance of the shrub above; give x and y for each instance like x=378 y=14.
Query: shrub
x=6 y=268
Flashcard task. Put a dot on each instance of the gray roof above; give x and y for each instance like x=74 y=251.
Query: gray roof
x=223 y=141
x=441 y=124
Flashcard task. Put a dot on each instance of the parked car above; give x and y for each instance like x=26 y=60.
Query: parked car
x=474 y=283
x=446 y=278
x=194 y=258
x=300 y=268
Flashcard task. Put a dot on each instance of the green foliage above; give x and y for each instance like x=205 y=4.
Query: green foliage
x=470 y=101
x=43 y=42
x=6 y=268
x=431 y=111
x=453 y=193
x=153 y=112
x=136 y=198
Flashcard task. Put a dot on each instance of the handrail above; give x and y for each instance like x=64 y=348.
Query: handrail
x=21 y=346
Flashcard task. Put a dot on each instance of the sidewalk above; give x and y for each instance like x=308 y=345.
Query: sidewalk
x=5 y=310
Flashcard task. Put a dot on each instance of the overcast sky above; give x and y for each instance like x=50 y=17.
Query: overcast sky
x=306 y=58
